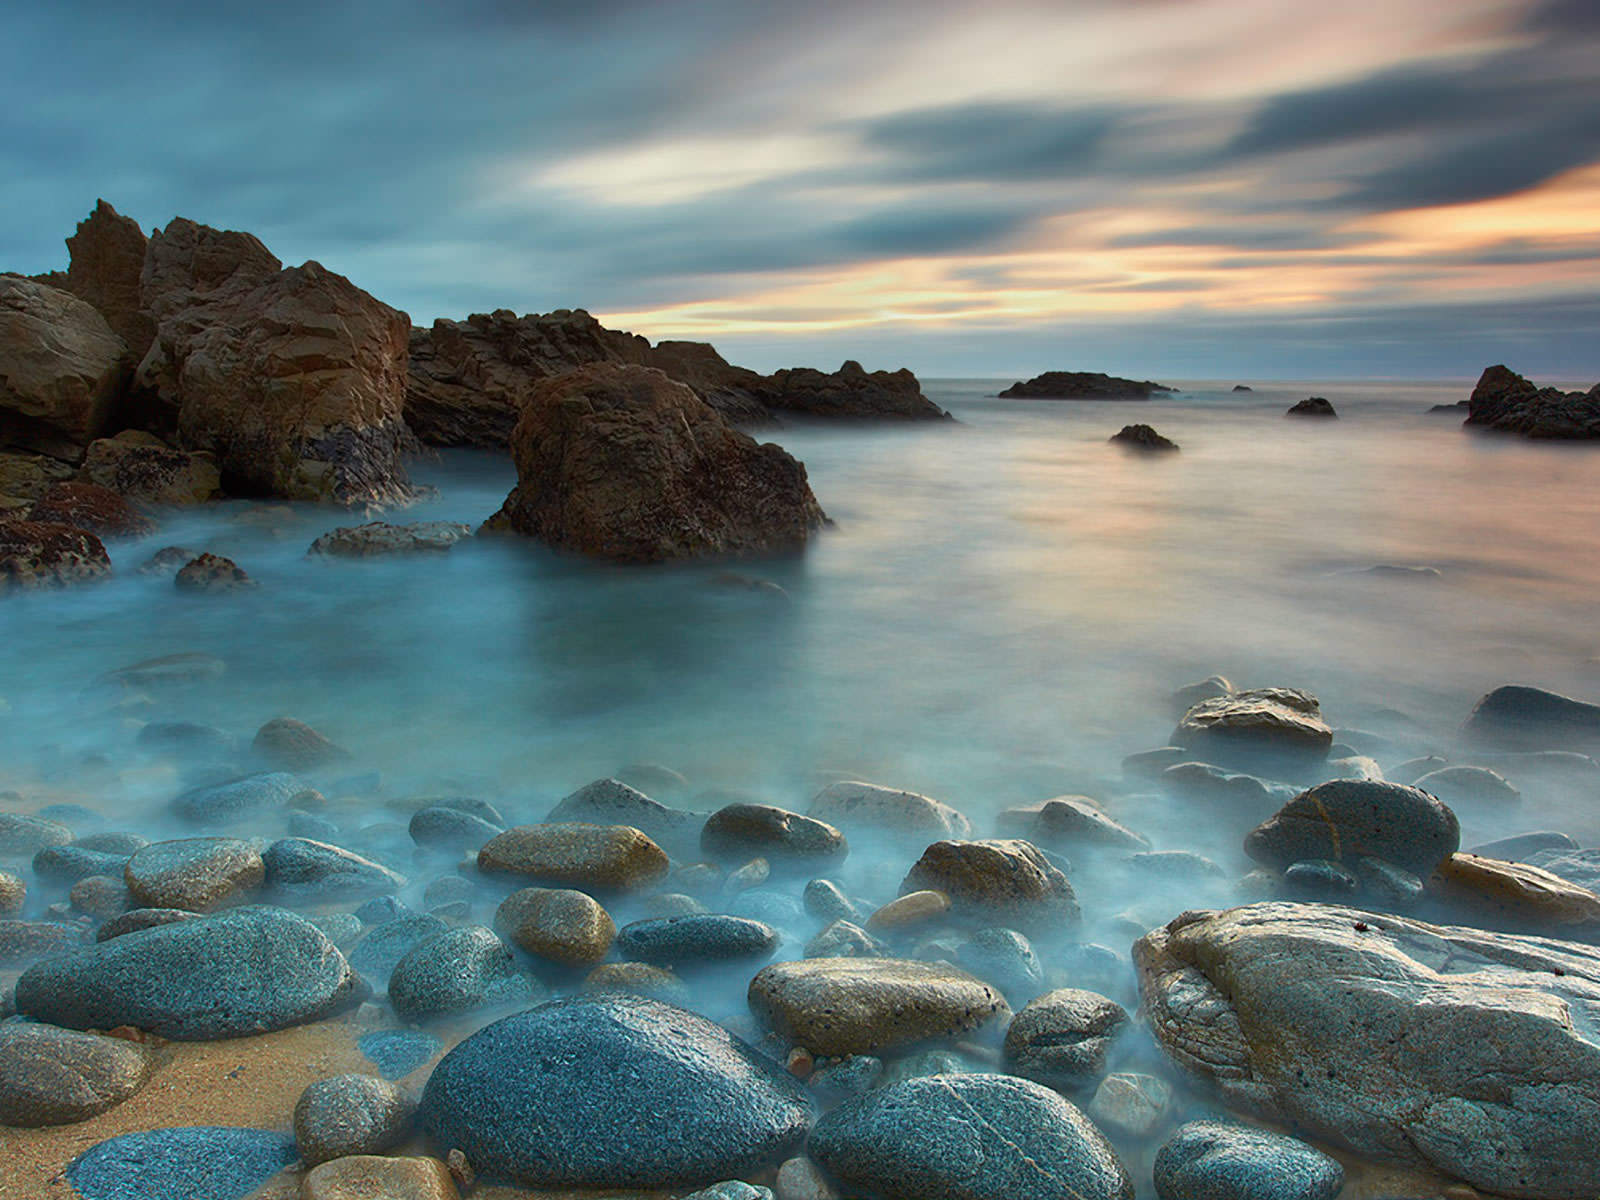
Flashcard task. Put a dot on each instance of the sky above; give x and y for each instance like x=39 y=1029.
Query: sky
x=1181 y=188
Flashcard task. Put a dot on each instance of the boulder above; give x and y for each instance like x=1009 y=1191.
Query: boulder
x=1467 y=1052
x=1506 y=402
x=1000 y=881
x=350 y=1114
x=612 y=802
x=620 y=462
x=887 y=812
x=849 y=392
x=90 y=506
x=840 y=1006
x=246 y=971
x=62 y=369
x=1061 y=1039
x=194 y=874
x=557 y=924
x=456 y=972
x=1271 y=725
x=251 y=796
x=107 y=259
x=284 y=744
x=613 y=1091
x=147 y=474
x=450 y=830
x=1316 y=406
x=1517 y=896
x=968 y=1137
x=375 y=1177
x=603 y=857
x=1066 y=823
x=1347 y=819
x=294 y=379
x=697 y=939
x=378 y=538
x=1081 y=385
x=311 y=870
x=739 y=832
x=51 y=1076
x=42 y=554
x=1143 y=438
x=1210 y=1160
x=1515 y=717
x=213 y=573
x=188 y=1163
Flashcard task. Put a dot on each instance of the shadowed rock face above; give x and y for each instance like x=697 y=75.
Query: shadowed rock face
x=294 y=379
x=1082 y=385
x=1469 y=1052
x=848 y=392
x=107 y=259
x=1505 y=401
x=621 y=462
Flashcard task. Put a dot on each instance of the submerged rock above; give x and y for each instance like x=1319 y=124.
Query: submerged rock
x=213 y=573
x=1143 y=438
x=1001 y=881
x=307 y=869
x=887 y=812
x=968 y=1137
x=51 y=1076
x=194 y=1163
x=1065 y=823
x=697 y=939
x=379 y=538
x=90 y=506
x=1464 y=1051
x=612 y=802
x=284 y=744
x=613 y=1091
x=743 y=831
x=42 y=554
x=1528 y=718
x=1210 y=1160
x=620 y=462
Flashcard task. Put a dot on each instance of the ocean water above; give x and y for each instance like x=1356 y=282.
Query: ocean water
x=998 y=616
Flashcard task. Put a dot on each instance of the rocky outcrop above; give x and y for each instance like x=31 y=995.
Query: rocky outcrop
x=621 y=462
x=90 y=506
x=1468 y=1052
x=62 y=369
x=141 y=468
x=848 y=392
x=37 y=554
x=1082 y=385
x=107 y=259
x=1313 y=406
x=1143 y=438
x=1271 y=725
x=294 y=378
x=1505 y=401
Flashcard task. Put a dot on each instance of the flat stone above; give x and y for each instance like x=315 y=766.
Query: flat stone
x=350 y=1114
x=613 y=1090
x=604 y=857
x=244 y=971
x=196 y=874
x=839 y=1006
x=1259 y=726
x=192 y=1163
x=381 y=538
x=1527 y=898
x=1210 y=1160
x=1464 y=786
x=968 y=1137
x=909 y=911
x=51 y=1076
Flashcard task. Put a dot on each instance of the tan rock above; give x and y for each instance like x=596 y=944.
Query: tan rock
x=909 y=911
x=839 y=1006
x=611 y=857
x=1518 y=894
x=194 y=874
x=62 y=369
x=888 y=812
x=294 y=379
x=376 y=1177
x=151 y=474
x=620 y=462
x=558 y=924
x=285 y=744
x=29 y=476
x=1000 y=881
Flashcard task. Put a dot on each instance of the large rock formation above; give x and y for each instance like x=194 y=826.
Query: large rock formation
x=107 y=260
x=1082 y=385
x=1505 y=401
x=1469 y=1052
x=294 y=379
x=621 y=462
x=848 y=392
x=62 y=369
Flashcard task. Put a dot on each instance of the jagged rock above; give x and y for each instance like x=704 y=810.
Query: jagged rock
x=294 y=378
x=149 y=474
x=848 y=392
x=1315 y=406
x=62 y=369
x=1468 y=1052
x=107 y=259
x=1081 y=385
x=25 y=477
x=213 y=573
x=1506 y=402
x=379 y=538
x=1272 y=724
x=620 y=462
x=1143 y=437
x=39 y=554
x=89 y=506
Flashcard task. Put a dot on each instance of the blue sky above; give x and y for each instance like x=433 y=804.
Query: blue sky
x=1194 y=188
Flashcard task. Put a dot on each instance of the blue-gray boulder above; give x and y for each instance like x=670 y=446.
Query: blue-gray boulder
x=1350 y=818
x=613 y=1091
x=192 y=1163
x=246 y=971
x=1210 y=1160
x=305 y=869
x=456 y=972
x=697 y=938
x=1516 y=717
x=968 y=1137
x=378 y=953
x=224 y=803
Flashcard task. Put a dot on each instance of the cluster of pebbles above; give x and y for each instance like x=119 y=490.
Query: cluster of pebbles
x=704 y=993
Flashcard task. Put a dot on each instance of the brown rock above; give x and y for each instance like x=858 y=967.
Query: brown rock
x=35 y=554
x=610 y=857
x=62 y=369
x=1506 y=402
x=639 y=979
x=92 y=507
x=377 y=1177
x=559 y=924
x=151 y=474
x=194 y=874
x=285 y=744
x=909 y=911
x=28 y=476
x=849 y=392
x=51 y=1076
x=839 y=1006
x=107 y=260
x=294 y=379
x=99 y=896
x=620 y=462
x=213 y=573
x=1516 y=894
x=1001 y=881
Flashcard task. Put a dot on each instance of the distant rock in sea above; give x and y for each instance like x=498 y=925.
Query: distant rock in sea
x=1082 y=385
x=1460 y=406
x=1506 y=402
x=1313 y=406
x=1144 y=438
x=1243 y=387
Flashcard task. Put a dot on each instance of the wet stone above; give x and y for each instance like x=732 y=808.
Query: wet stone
x=398 y=1052
x=51 y=1076
x=1062 y=1038
x=196 y=1163
x=1210 y=1160
x=697 y=939
x=350 y=1114
x=458 y=971
x=198 y=874
x=378 y=952
x=315 y=870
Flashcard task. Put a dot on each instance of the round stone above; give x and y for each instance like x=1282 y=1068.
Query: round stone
x=350 y=1114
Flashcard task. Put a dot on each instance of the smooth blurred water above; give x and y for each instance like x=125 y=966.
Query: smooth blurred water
x=999 y=615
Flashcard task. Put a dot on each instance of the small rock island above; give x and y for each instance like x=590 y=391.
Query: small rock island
x=1082 y=385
